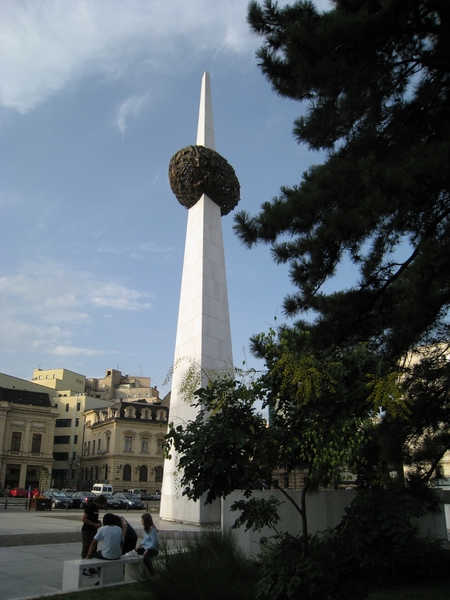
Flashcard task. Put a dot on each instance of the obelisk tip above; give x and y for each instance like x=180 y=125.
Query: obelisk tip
x=205 y=131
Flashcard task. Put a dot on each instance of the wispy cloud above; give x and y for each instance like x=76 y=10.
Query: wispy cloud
x=131 y=107
x=72 y=351
x=139 y=251
x=47 y=44
x=117 y=296
x=45 y=304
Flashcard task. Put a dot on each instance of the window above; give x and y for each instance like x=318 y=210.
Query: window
x=77 y=422
x=108 y=440
x=63 y=423
x=127 y=446
x=159 y=446
x=143 y=473
x=61 y=439
x=89 y=449
x=32 y=471
x=158 y=474
x=59 y=473
x=60 y=456
x=93 y=447
x=67 y=407
x=13 y=469
x=78 y=405
x=75 y=439
x=36 y=442
x=16 y=439
x=161 y=415
x=144 y=446
x=126 y=473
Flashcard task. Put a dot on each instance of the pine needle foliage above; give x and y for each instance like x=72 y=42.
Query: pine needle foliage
x=373 y=79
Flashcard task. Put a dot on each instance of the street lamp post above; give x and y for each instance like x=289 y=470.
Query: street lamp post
x=74 y=462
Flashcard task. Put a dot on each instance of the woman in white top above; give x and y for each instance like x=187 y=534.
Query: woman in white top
x=111 y=536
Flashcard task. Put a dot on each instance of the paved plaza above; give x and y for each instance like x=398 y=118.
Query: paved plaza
x=35 y=544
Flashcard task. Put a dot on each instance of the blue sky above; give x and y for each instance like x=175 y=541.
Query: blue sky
x=96 y=96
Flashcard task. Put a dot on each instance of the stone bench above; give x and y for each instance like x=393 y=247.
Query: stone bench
x=125 y=568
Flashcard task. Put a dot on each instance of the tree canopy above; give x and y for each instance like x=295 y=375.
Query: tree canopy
x=318 y=407
x=364 y=383
x=376 y=78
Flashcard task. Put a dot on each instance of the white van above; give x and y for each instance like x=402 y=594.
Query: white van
x=101 y=488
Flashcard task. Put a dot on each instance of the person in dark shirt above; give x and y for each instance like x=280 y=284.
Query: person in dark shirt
x=91 y=523
x=129 y=534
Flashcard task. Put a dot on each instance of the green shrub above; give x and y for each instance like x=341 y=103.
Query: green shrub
x=207 y=566
x=325 y=572
x=374 y=545
x=385 y=545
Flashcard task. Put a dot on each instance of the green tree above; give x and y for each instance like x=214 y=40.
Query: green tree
x=43 y=477
x=374 y=79
x=375 y=76
x=317 y=407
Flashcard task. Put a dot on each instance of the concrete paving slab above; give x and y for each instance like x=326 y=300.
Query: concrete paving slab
x=33 y=570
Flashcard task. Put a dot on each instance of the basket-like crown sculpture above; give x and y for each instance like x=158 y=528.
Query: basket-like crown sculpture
x=196 y=170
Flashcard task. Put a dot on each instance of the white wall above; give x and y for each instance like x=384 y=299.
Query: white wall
x=324 y=510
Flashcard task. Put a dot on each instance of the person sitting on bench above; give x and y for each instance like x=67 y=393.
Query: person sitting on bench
x=150 y=544
x=111 y=536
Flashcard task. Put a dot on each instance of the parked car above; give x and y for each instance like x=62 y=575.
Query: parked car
x=129 y=500
x=59 y=499
x=145 y=496
x=156 y=495
x=69 y=492
x=80 y=499
x=17 y=492
x=111 y=501
x=35 y=492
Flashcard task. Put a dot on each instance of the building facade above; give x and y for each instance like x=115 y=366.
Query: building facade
x=116 y=386
x=69 y=395
x=68 y=390
x=27 y=426
x=123 y=445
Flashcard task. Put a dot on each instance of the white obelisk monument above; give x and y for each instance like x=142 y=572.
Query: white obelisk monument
x=203 y=334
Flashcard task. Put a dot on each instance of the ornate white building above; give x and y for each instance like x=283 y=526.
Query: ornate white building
x=123 y=445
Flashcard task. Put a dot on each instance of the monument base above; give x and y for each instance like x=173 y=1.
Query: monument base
x=179 y=509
